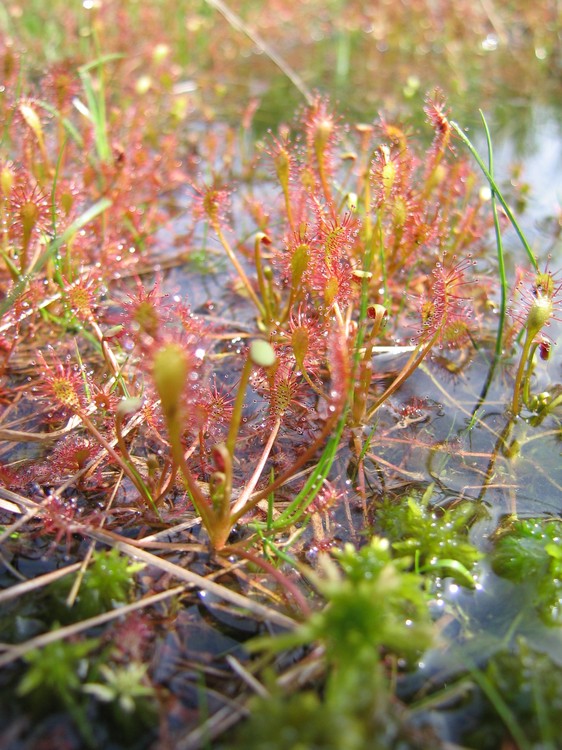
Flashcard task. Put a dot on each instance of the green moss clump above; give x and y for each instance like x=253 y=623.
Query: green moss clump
x=433 y=538
x=372 y=605
x=54 y=678
x=529 y=553
x=107 y=582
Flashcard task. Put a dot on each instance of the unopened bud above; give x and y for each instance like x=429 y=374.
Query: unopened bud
x=143 y=85
x=169 y=371
x=160 y=53
x=128 y=406
x=262 y=353
x=540 y=313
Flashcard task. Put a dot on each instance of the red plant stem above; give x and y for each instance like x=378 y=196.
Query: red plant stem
x=249 y=488
x=109 y=357
x=516 y=400
x=165 y=484
x=282 y=579
x=359 y=400
x=304 y=457
x=288 y=208
x=131 y=473
x=238 y=405
x=261 y=278
x=202 y=504
x=235 y=262
x=415 y=360
x=325 y=185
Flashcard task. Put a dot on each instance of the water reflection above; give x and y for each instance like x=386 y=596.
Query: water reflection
x=386 y=57
x=483 y=454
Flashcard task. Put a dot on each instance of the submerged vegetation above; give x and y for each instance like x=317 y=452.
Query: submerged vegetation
x=280 y=410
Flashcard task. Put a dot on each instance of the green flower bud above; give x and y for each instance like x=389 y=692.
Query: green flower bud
x=540 y=313
x=262 y=353
x=169 y=371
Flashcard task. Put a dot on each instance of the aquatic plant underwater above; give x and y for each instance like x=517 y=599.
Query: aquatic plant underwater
x=212 y=352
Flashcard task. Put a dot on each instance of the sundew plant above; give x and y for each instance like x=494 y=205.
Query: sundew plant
x=282 y=382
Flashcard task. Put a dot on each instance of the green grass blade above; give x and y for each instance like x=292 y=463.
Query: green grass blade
x=99 y=61
x=509 y=213
x=502 y=709
x=312 y=487
x=67 y=124
x=499 y=245
x=96 y=108
x=88 y=216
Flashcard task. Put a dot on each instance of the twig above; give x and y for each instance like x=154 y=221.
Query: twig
x=193 y=579
x=237 y=23
x=36 y=583
x=15 y=652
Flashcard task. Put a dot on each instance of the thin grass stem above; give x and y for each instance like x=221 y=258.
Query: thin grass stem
x=91 y=213
x=501 y=708
x=237 y=23
x=497 y=191
x=499 y=245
